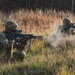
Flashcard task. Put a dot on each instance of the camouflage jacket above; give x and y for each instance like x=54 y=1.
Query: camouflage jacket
x=65 y=29
x=10 y=36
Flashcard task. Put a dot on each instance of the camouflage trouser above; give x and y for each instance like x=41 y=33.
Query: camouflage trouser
x=8 y=53
x=17 y=56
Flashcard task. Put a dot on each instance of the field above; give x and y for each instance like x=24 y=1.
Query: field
x=41 y=58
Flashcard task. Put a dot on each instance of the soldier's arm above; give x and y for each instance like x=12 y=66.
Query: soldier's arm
x=72 y=28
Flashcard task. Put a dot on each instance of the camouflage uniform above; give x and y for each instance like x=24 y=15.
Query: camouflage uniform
x=66 y=27
x=3 y=47
x=3 y=42
x=11 y=28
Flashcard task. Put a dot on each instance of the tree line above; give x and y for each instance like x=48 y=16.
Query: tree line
x=8 y=5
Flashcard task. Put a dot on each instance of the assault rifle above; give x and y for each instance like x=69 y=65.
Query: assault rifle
x=21 y=38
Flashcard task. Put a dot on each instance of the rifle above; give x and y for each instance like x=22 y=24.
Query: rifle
x=21 y=39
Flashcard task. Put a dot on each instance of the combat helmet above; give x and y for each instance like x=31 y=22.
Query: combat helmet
x=10 y=25
x=66 y=21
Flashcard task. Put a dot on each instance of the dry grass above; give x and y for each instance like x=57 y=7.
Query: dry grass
x=39 y=22
x=41 y=60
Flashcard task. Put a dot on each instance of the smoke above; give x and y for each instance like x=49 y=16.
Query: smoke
x=61 y=41
x=55 y=39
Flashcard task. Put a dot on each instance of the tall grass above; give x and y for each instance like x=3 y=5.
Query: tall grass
x=32 y=22
x=41 y=59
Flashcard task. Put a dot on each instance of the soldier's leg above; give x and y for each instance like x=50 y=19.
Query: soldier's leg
x=19 y=56
x=8 y=53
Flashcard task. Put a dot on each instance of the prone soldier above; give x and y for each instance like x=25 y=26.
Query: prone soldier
x=67 y=27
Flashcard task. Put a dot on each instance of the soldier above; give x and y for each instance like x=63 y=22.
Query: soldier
x=11 y=29
x=67 y=27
